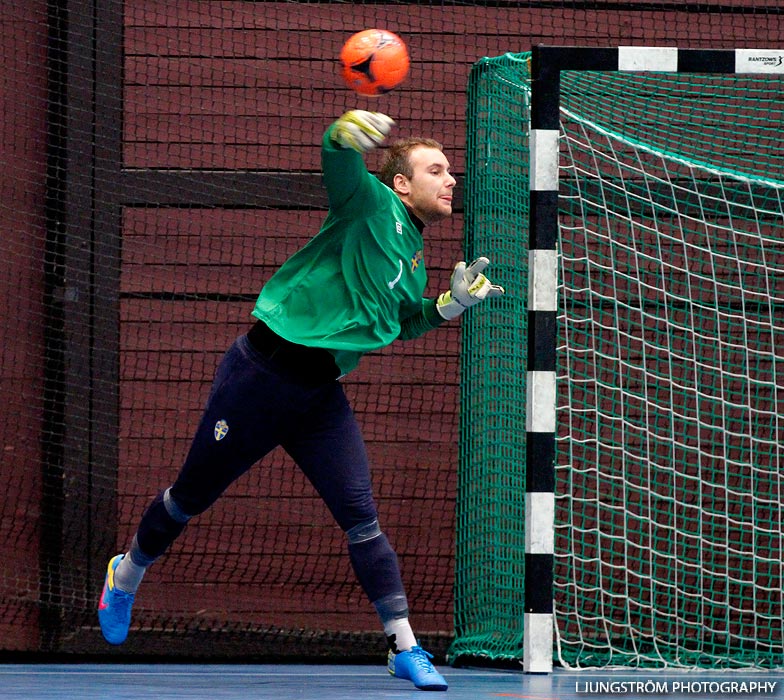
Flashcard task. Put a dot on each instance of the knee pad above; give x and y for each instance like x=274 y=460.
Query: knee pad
x=161 y=524
x=375 y=565
x=363 y=532
x=173 y=509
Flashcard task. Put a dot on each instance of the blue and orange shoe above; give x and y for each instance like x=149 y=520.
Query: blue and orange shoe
x=414 y=665
x=114 y=607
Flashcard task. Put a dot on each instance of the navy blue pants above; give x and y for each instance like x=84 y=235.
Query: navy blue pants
x=256 y=404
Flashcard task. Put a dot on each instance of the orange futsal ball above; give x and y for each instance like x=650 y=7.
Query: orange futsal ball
x=374 y=61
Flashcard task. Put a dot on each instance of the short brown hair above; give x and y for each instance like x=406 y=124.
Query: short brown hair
x=396 y=158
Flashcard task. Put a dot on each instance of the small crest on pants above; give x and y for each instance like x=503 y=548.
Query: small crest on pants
x=221 y=429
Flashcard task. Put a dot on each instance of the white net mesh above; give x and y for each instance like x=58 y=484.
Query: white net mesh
x=669 y=540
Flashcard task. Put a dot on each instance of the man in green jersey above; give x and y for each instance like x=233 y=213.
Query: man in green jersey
x=355 y=287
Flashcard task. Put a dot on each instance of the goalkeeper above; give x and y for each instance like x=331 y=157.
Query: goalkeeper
x=355 y=287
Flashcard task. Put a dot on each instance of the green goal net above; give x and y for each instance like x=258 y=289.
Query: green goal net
x=489 y=540
x=670 y=390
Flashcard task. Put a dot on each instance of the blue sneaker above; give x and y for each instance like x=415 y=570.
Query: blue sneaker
x=415 y=666
x=114 y=607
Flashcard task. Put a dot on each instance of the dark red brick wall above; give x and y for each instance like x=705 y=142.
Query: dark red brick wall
x=23 y=41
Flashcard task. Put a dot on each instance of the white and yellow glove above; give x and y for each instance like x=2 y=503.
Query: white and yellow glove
x=361 y=130
x=468 y=286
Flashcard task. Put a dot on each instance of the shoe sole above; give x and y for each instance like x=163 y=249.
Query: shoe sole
x=431 y=687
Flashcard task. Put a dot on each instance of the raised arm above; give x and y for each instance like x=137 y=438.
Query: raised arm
x=345 y=174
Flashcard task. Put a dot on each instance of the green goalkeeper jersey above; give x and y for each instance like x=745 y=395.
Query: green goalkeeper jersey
x=359 y=283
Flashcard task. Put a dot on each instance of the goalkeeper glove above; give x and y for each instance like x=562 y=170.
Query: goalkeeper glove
x=468 y=286
x=361 y=130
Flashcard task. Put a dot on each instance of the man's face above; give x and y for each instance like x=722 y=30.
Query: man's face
x=429 y=190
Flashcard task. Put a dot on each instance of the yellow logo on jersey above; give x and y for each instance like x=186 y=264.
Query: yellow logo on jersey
x=416 y=258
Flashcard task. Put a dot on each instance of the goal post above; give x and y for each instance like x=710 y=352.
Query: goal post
x=655 y=346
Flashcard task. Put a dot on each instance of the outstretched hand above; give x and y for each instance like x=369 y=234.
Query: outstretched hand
x=467 y=287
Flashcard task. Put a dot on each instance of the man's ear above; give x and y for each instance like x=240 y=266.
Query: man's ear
x=400 y=183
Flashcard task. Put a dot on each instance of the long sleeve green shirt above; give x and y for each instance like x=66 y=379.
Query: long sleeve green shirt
x=359 y=283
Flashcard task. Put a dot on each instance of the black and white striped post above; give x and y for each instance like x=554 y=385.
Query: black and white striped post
x=540 y=380
x=547 y=62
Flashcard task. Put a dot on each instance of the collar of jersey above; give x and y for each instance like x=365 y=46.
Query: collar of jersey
x=415 y=219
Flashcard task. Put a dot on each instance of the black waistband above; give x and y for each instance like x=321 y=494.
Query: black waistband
x=314 y=365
